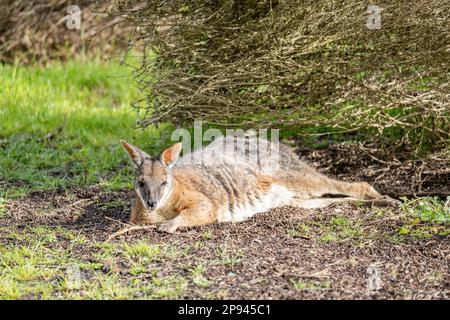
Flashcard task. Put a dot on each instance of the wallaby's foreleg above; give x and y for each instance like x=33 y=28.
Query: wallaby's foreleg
x=189 y=218
x=172 y=225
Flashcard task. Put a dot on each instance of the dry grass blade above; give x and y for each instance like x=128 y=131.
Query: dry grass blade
x=128 y=229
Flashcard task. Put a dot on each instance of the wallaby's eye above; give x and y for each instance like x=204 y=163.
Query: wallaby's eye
x=141 y=183
x=164 y=183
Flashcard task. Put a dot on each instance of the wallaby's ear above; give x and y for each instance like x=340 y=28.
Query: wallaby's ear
x=136 y=154
x=170 y=155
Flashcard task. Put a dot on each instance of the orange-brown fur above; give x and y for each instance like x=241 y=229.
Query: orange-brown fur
x=204 y=194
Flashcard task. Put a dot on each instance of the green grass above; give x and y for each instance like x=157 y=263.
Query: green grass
x=2 y=207
x=307 y=285
x=416 y=219
x=338 y=229
x=425 y=218
x=60 y=125
x=39 y=267
x=198 y=278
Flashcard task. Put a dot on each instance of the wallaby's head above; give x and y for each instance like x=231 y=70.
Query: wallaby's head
x=154 y=180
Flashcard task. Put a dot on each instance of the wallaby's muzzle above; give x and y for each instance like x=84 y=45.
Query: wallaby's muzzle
x=151 y=204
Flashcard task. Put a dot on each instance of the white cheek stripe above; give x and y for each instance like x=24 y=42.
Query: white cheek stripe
x=138 y=192
x=167 y=192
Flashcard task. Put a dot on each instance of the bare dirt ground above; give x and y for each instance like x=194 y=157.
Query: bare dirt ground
x=340 y=252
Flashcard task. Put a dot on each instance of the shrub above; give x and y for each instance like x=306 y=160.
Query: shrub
x=297 y=64
x=35 y=31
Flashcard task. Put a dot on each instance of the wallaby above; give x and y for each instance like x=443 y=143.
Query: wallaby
x=229 y=187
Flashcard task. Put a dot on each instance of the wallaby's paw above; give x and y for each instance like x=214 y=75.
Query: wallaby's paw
x=366 y=191
x=391 y=201
x=169 y=227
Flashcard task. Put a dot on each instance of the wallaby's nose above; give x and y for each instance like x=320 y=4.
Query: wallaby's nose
x=151 y=204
